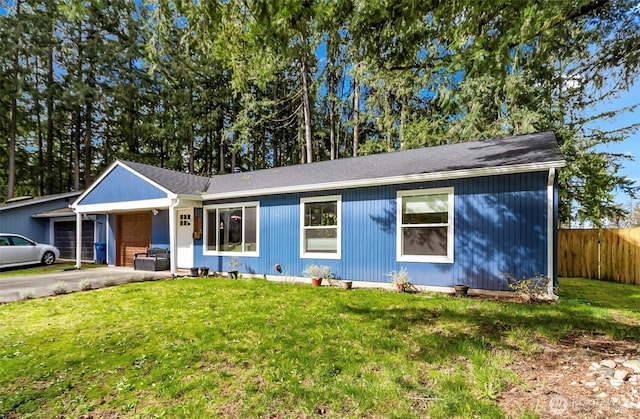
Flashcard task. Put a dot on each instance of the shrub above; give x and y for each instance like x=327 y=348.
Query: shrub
x=59 y=287
x=400 y=277
x=27 y=294
x=109 y=282
x=318 y=271
x=85 y=285
x=531 y=290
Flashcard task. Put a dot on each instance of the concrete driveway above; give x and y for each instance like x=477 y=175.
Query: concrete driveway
x=14 y=288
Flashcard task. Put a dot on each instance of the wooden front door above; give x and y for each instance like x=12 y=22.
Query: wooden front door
x=133 y=235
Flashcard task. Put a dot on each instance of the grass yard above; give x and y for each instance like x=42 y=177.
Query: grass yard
x=249 y=348
x=41 y=269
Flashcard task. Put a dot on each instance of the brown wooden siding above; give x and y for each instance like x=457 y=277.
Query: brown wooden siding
x=133 y=235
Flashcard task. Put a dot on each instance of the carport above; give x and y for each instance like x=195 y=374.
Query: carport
x=144 y=206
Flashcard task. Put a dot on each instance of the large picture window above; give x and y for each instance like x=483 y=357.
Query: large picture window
x=425 y=225
x=320 y=229
x=231 y=229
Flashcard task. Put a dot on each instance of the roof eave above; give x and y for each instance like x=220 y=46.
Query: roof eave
x=38 y=200
x=393 y=180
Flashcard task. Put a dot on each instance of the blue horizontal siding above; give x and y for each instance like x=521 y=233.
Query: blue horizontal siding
x=120 y=185
x=499 y=222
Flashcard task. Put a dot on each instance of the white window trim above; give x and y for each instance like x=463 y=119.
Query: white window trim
x=326 y=198
x=450 y=224
x=205 y=229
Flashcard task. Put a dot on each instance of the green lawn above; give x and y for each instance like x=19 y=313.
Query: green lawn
x=41 y=269
x=215 y=347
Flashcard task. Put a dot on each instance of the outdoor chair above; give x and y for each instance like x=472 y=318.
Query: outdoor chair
x=154 y=259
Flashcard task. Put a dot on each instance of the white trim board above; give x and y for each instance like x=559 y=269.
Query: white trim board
x=391 y=180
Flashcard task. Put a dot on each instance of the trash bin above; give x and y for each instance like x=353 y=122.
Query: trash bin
x=101 y=252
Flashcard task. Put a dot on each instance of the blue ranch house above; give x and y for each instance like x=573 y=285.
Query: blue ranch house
x=463 y=213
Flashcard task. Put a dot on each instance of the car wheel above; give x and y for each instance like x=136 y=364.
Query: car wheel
x=48 y=258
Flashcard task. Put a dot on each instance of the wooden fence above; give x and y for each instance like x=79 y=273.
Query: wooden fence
x=608 y=254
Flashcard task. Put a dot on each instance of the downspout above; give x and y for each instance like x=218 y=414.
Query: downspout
x=172 y=235
x=78 y=240
x=550 y=232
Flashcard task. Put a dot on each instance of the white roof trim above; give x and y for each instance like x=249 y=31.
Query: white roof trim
x=49 y=214
x=37 y=200
x=161 y=203
x=108 y=171
x=393 y=180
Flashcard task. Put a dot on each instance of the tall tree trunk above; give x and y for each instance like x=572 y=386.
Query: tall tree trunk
x=13 y=123
x=131 y=137
x=306 y=109
x=332 y=117
x=274 y=139
x=222 y=137
x=234 y=134
x=76 y=150
x=88 y=133
x=38 y=110
x=49 y=175
x=302 y=144
x=356 y=115
x=191 y=136
x=404 y=109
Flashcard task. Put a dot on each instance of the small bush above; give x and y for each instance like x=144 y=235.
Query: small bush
x=59 y=287
x=27 y=294
x=85 y=285
x=400 y=277
x=110 y=282
x=318 y=271
x=531 y=290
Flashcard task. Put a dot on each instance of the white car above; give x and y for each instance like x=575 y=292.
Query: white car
x=17 y=250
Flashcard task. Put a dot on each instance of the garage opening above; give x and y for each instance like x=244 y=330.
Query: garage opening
x=64 y=238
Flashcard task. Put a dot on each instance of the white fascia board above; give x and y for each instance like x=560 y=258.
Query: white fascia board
x=550 y=227
x=37 y=200
x=162 y=203
x=192 y=201
x=394 y=180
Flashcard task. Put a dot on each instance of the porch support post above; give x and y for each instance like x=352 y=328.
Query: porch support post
x=172 y=235
x=78 y=240
x=107 y=238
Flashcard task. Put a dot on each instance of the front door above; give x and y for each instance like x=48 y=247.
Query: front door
x=184 y=238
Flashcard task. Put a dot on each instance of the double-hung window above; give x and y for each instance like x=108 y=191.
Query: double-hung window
x=425 y=225
x=320 y=227
x=232 y=228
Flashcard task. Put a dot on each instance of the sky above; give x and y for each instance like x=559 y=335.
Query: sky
x=631 y=146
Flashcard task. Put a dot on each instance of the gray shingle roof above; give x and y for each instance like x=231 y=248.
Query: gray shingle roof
x=177 y=182
x=39 y=199
x=530 y=149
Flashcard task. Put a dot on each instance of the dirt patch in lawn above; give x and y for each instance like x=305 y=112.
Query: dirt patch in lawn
x=568 y=379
